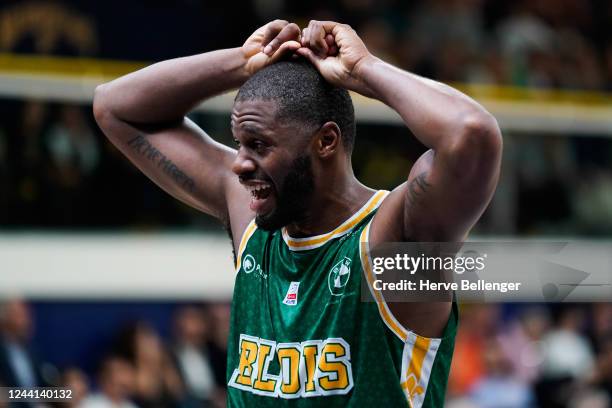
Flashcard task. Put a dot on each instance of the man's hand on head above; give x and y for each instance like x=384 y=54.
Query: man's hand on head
x=270 y=43
x=334 y=49
x=337 y=52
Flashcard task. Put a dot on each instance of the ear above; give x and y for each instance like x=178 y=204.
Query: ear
x=328 y=140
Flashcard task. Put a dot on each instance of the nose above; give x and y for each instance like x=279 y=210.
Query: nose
x=243 y=164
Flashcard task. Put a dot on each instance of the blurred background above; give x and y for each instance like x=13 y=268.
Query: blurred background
x=111 y=287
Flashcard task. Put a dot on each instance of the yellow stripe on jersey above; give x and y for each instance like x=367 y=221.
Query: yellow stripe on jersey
x=248 y=232
x=319 y=240
x=383 y=309
x=419 y=352
x=417 y=362
x=418 y=355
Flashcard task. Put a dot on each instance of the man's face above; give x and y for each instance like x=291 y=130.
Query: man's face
x=273 y=163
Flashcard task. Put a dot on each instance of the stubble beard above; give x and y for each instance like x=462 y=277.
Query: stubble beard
x=293 y=199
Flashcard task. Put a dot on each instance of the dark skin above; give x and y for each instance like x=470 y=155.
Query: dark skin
x=446 y=190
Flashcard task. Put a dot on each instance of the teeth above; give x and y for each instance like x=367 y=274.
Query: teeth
x=258 y=189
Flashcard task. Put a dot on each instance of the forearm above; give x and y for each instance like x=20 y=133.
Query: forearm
x=166 y=91
x=436 y=113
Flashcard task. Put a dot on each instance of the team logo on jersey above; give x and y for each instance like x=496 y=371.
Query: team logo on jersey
x=339 y=276
x=292 y=293
x=248 y=263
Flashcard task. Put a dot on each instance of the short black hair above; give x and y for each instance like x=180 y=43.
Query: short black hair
x=302 y=94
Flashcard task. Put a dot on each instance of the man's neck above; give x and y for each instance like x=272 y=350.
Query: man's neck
x=333 y=204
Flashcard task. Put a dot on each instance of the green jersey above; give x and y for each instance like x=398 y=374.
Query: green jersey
x=301 y=335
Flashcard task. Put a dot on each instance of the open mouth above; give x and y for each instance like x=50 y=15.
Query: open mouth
x=261 y=197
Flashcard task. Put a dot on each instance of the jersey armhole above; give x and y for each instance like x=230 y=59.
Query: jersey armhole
x=403 y=333
x=246 y=235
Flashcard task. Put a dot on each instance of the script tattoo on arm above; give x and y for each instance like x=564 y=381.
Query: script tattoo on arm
x=143 y=147
x=417 y=188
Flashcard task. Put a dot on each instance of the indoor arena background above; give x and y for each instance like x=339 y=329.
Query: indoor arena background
x=108 y=278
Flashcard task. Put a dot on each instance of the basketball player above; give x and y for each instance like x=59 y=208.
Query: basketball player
x=300 y=336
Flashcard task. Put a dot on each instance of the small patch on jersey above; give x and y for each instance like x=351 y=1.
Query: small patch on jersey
x=248 y=263
x=339 y=276
x=291 y=297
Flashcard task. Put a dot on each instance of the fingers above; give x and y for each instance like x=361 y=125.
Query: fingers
x=314 y=37
x=277 y=33
x=288 y=47
x=310 y=56
x=272 y=29
x=331 y=45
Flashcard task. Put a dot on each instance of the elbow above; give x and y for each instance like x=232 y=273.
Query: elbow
x=476 y=151
x=480 y=136
x=101 y=108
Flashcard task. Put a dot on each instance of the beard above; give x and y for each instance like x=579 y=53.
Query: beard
x=293 y=199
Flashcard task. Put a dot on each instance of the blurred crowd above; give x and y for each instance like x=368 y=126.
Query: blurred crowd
x=139 y=368
x=535 y=43
x=533 y=356
x=58 y=171
x=506 y=356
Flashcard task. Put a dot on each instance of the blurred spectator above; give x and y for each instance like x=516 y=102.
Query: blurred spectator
x=72 y=145
x=488 y=66
x=220 y=323
x=74 y=379
x=522 y=343
x=74 y=156
x=521 y=33
x=19 y=367
x=498 y=388
x=566 y=336
x=438 y=22
x=593 y=203
x=157 y=382
x=191 y=331
x=601 y=330
x=602 y=375
x=478 y=325
x=116 y=384
x=568 y=360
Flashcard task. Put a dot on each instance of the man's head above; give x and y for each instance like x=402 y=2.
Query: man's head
x=294 y=128
x=16 y=320
x=116 y=378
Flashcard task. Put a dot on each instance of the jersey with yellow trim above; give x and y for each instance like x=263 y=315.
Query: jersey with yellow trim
x=301 y=336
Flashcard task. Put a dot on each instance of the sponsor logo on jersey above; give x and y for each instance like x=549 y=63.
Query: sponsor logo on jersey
x=291 y=297
x=339 y=276
x=249 y=265
x=308 y=369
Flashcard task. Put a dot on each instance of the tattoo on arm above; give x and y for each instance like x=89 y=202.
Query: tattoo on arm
x=417 y=188
x=143 y=147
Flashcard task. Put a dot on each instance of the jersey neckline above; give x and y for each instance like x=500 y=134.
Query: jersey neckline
x=303 y=244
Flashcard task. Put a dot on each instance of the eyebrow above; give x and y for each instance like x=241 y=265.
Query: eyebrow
x=252 y=130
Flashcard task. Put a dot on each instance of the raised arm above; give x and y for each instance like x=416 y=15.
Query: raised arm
x=143 y=115
x=449 y=187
